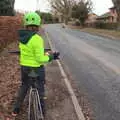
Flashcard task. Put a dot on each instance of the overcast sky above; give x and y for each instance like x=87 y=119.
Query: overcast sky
x=100 y=6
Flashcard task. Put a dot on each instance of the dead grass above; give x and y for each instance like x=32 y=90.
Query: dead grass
x=113 y=34
x=74 y=27
x=107 y=33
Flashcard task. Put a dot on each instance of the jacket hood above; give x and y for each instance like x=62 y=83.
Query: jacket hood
x=25 y=35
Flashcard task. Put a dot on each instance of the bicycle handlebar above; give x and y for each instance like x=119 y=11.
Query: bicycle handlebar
x=18 y=52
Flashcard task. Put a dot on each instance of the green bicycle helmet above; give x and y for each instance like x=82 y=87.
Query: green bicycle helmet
x=32 y=18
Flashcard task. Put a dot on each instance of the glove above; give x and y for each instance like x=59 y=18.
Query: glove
x=54 y=56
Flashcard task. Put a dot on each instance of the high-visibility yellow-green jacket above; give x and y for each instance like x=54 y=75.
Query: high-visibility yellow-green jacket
x=32 y=49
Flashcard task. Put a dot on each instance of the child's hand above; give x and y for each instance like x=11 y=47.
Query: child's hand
x=56 y=55
x=53 y=55
x=47 y=53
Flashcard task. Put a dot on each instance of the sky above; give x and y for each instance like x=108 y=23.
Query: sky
x=31 y=5
x=99 y=6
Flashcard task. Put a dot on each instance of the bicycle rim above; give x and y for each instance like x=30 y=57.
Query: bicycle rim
x=31 y=111
x=37 y=107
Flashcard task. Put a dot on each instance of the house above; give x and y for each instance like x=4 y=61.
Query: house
x=114 y=14
x=109 y=17
x=92 y=17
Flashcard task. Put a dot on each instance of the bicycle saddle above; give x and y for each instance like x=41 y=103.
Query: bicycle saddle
x=33 y=74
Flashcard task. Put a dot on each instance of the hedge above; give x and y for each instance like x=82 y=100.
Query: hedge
x=9 y=27
x=103 y=25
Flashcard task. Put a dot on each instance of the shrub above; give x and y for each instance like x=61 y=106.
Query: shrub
x=8 y=30
x=103 y=25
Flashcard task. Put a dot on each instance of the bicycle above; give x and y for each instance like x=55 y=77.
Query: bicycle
x=35 y=111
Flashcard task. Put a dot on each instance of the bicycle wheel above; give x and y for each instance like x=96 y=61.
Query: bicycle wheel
x=31 y=112
x=35 y=109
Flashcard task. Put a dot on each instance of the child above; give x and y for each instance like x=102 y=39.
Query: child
x=31 y=56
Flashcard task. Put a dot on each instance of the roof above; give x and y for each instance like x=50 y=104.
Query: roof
x=92 y=14
x=106 y=15
x=113 y=7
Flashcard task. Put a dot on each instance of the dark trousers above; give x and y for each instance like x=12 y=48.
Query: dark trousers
x=26 y=83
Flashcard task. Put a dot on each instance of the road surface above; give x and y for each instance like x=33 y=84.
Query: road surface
x=95 y=64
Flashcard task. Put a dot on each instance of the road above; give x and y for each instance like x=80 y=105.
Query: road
x=95 y=64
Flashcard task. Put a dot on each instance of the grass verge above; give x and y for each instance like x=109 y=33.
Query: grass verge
x=112 y=34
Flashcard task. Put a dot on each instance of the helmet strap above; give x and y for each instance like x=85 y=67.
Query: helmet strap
x=32 y=28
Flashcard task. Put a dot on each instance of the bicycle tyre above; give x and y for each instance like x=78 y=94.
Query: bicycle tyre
x=31 y=112
x=37 y=107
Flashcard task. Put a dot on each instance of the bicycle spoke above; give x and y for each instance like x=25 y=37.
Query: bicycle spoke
x=39 y=105
x=29 y=107
x=34 y=106
x=35 y=110
x=31 y=114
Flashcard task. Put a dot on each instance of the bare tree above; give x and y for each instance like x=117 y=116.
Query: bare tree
x=63 y=8
x=81 y=10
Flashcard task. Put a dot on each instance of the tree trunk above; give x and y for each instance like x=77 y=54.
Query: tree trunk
x=66 y=21
x=117 y=5
x=118 y=18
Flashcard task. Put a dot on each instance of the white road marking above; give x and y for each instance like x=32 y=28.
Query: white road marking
x=75 y=102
